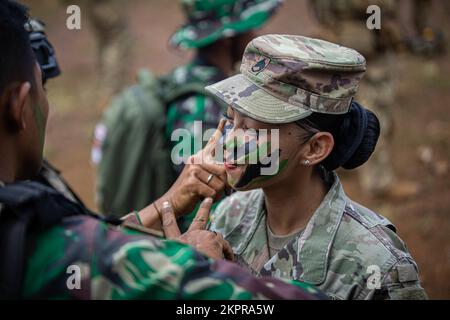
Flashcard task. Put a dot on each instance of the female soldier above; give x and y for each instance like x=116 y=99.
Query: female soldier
x=298 y=223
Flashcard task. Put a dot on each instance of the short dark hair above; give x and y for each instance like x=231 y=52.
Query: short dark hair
x=17 y=60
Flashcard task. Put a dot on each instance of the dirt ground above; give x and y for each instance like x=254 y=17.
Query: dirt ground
x=422 y=133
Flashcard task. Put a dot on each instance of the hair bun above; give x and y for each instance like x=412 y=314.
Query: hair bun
x=355 y=139
x=368 y=142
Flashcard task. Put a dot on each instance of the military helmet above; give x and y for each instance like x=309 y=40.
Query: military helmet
x=211 y=20
x=42 y=48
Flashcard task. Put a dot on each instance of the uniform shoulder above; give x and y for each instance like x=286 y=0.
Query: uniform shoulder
x=373 y=232
x=232 y=210
x=371 y=237
x=370 y=242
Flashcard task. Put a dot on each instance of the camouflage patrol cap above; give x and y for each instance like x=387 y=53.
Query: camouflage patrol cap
x=285 y=78
x=211 y=20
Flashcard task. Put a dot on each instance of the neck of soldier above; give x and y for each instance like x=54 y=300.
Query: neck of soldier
x=219 y=55
x=291 y=203
x=8 y=162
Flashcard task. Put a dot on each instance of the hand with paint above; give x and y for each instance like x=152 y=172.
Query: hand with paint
x=207 y=242
x=201 y=177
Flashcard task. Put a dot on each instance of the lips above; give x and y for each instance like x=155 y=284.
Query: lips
x=230 y=166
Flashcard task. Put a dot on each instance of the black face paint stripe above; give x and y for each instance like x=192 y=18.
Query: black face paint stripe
x=253 y=171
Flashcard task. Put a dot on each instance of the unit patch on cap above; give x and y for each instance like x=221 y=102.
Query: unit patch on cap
x=260 y=65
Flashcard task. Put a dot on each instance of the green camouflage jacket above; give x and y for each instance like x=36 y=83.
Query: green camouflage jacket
x=132 y=143
x=122 y=263
x=196 y=105
x=346 y=250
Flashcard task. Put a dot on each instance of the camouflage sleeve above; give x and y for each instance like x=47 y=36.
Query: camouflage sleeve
x=132 y=217
x=401 y=283
x=231 y=211
x=219 y=218
x=92 y=260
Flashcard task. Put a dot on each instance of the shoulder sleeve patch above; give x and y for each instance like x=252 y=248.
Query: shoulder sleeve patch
x=407 y=293
x=407 y=273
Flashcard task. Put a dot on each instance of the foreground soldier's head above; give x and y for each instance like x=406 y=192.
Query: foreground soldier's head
x=23 y=101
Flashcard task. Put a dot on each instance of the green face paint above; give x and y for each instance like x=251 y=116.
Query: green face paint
x=248 y=147
x=240 y=153
x=40 y=120
x=252 y=176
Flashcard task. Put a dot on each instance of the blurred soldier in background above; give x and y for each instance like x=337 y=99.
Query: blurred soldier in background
x=421 y=22
x=344 y=22
x=108 y=19
x=132 y=142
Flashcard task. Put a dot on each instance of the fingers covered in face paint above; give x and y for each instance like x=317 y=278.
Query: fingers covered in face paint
x=210 y=147
x=201 y=218
x=207 y=242
x=169 y=222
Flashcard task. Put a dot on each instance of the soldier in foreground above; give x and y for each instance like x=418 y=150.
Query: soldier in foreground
x=46 y=57
x=43 y=235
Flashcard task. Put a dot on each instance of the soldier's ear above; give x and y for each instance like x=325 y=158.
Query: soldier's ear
x=19 y=104
x=319 y=148
x=15 y=99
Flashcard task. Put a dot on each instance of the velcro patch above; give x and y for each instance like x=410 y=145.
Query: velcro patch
x=407 y=273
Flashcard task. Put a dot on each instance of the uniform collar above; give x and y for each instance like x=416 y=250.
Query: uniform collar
x=315 y=243
x=306 y=258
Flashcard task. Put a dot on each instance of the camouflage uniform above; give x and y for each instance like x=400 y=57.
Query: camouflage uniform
x=191 y=107
x=284 y=79
x=209 y=21
x=51 y=177
x=111 y=262
x=340 y=242
x=128 y=262
x=344 y=22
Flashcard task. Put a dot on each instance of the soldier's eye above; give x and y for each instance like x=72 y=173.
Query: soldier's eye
x=227 y=117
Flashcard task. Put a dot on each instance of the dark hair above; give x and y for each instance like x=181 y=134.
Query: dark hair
x=17 y=60
x=355 y=135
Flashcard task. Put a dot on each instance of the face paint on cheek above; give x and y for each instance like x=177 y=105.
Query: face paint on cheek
x=254 y=174
x=252 y=149
x=244 y=148
x=39 y=117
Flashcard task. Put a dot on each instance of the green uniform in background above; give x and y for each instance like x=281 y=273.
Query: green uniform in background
x=193 y=106
x=132 y=144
